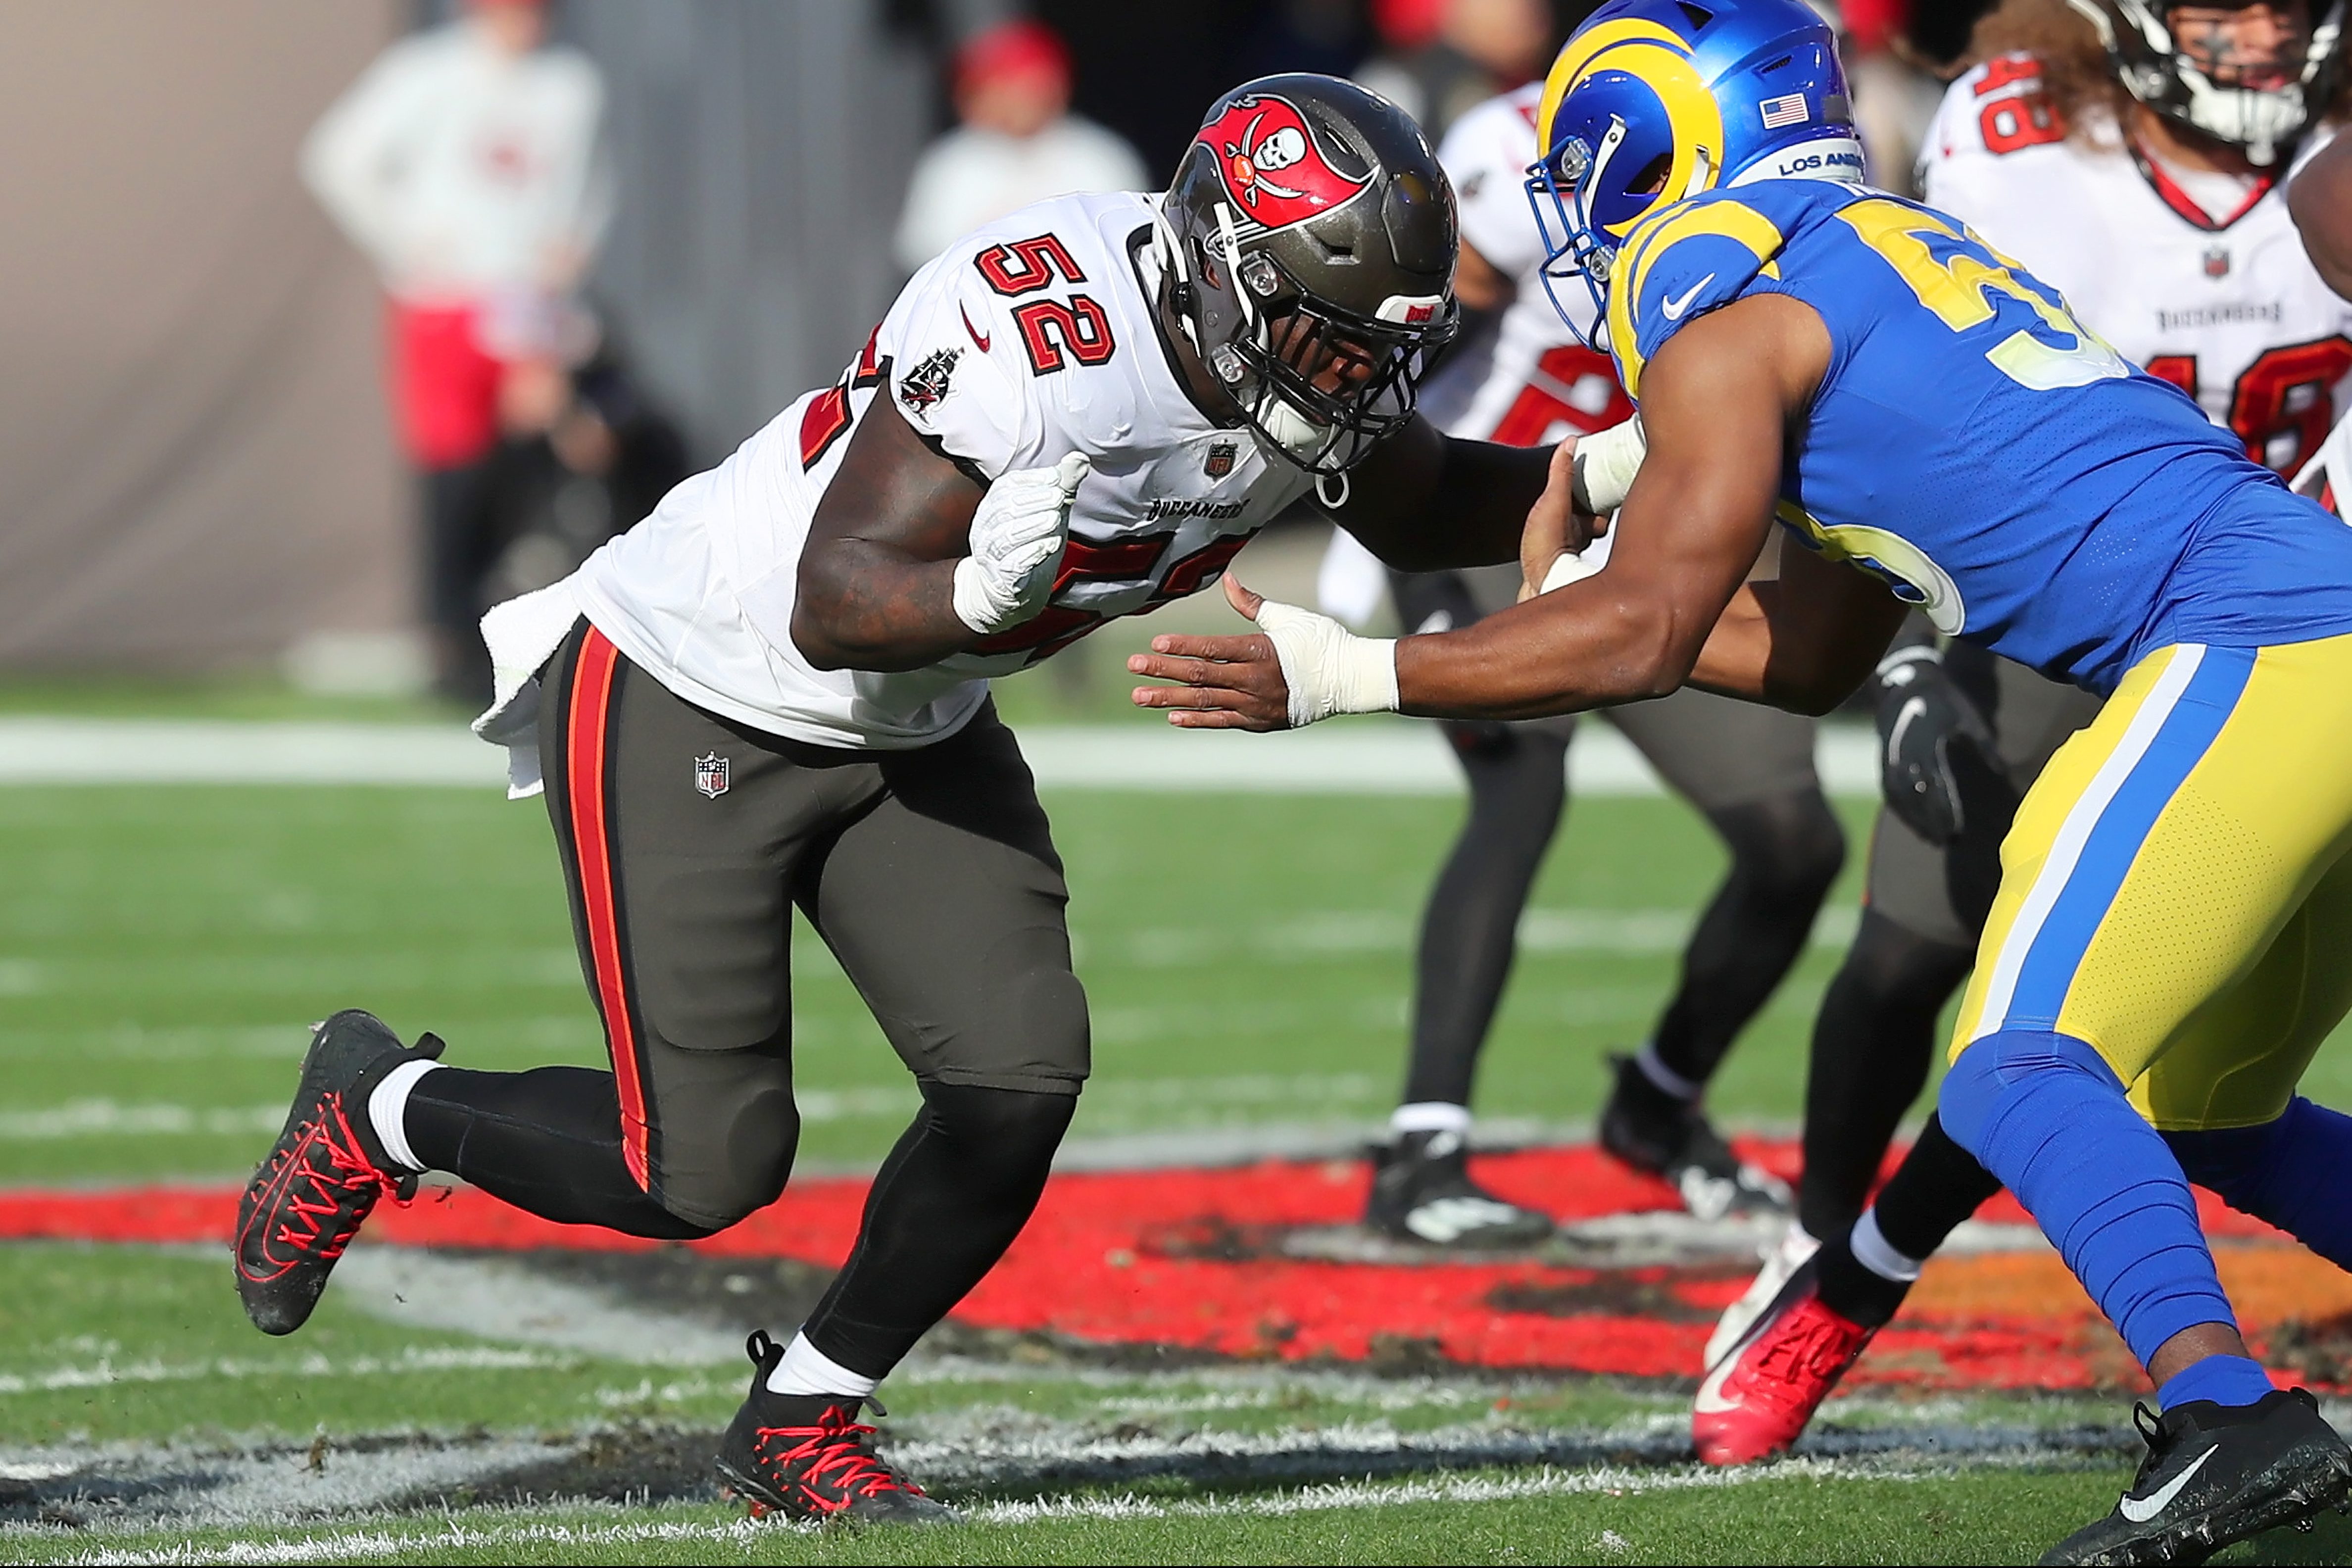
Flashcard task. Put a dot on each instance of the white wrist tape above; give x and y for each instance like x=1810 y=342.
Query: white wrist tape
x=1604 y=464
x=1569 y=567
x=1328 y=669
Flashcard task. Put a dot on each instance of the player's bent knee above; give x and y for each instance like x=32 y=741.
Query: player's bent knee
x=717 y=1174
x=1992 y=1072
x=1791 y=844
x=1003 y=1136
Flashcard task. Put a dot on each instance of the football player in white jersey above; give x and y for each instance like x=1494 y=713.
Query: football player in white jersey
x=772 y=692
x=2164 y=218
x=1749 y=769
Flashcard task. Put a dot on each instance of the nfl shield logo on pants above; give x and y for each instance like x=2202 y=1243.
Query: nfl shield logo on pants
x=710 y=775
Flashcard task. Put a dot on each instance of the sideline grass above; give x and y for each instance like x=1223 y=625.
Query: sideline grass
x=1247 y=958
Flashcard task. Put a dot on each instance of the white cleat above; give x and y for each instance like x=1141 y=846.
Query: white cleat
x=1785 y=1258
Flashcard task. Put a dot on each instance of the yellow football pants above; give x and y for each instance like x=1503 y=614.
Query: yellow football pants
x=2175 y=890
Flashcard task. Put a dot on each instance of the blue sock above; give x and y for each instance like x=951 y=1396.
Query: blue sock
x=2295 y=1173
x=2223 y=1379
x=2045 y=1114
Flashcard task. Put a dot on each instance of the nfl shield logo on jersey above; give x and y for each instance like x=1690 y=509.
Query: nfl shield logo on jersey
x=1221 y=458
x=711 y=774
x=2217 y=261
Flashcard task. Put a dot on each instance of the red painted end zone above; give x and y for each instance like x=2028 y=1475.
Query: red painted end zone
x=1094 y=1265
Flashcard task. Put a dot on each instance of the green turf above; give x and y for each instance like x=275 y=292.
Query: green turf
x=161 y=952
x=1247 y=958
x=1988 y=1516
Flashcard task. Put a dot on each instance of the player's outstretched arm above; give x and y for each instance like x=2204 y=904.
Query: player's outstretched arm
x=2321 y=200
x=1718 y=398
x=1425 y=501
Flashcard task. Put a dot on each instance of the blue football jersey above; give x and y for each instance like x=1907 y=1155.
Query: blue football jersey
x=1982 y=452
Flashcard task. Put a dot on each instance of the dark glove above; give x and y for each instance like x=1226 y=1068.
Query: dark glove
x=1924 y=719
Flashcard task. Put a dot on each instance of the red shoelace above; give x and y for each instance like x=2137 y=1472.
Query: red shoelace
x=839 y=1456
x=318 y=1194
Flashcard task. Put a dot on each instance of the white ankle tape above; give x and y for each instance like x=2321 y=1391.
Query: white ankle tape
x=1876 y=1253
x=808 y=1370
x=1430 y=1116
x=387 y=1111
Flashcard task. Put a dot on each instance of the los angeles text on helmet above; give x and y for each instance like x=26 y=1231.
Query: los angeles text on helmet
x=1831 y=158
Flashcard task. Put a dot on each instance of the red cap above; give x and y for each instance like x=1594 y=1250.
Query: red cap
x=1013 y=48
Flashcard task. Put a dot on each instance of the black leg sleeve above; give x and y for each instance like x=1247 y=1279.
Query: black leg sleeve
x=547 y=1141
x=1469 y=932
x=1785 y=853
x=1873 y=1042
x=1937 y=1187
x=950 y=1198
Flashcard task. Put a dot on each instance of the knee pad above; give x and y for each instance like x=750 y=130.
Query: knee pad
x=734 y=1168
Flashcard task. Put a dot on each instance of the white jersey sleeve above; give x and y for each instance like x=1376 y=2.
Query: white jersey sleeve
x=1486 y=154
x=948 y=354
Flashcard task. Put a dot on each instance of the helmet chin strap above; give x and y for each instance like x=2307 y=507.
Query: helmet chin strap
x=1171 y=252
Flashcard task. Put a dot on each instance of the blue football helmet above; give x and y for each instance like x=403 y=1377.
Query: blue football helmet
x=1654 y=100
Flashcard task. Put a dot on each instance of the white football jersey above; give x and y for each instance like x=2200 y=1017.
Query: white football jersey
x=1026 y=340
x=2200 y=279
x=1538 y=380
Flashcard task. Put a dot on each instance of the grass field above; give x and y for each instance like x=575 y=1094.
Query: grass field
x=162 y=951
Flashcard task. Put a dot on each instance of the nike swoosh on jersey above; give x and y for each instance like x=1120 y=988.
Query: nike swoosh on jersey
x=2139 y=1511
x=977 y=335
x=1674 y=308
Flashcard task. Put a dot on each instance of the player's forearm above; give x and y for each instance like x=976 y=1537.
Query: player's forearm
x=1585 y=647
x=862 y=605
x=1767 y=647
x=1439 y=503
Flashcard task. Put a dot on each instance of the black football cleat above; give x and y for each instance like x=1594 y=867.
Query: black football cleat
x=323 y=1177
x=1651 y=1131
x=2215 y=1474
x=1421 y=1190
x=808 y=1456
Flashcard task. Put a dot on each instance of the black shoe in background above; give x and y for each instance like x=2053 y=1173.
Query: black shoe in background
x=1671 y=1139
x=1421 y=1190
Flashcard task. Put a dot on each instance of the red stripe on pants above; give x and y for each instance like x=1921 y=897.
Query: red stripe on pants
x=592 y=698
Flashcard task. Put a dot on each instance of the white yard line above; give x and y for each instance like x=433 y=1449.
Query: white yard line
x=511 y=1540
x=1360 y=758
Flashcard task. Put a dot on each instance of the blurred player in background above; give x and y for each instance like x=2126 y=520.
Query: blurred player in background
x=1748 y=769
x=1477 y=48
x=465 y=164
x=2165 y=220
x=1018 y=143
x=774 y=691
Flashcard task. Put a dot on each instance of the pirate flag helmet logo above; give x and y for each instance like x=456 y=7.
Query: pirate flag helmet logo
x=1308 y=241
x=1274 y=171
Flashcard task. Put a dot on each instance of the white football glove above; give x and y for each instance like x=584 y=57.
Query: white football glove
x=1328 y=669
x=1016 y=545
